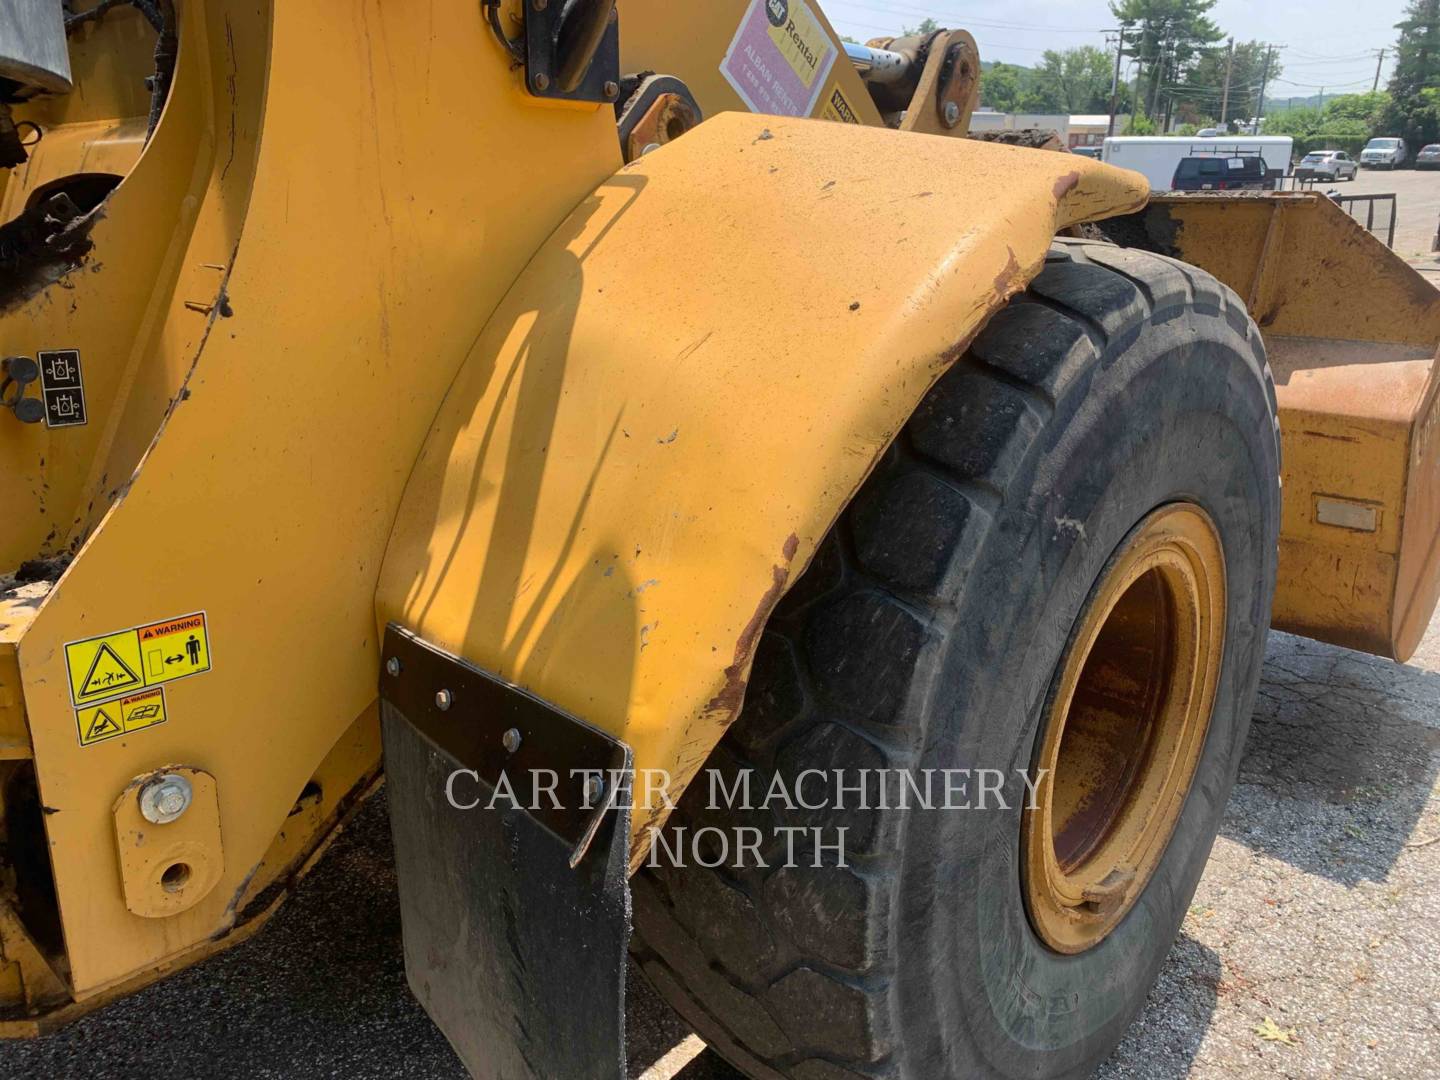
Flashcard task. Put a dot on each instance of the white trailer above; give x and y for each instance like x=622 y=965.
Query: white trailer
x=1157 y=155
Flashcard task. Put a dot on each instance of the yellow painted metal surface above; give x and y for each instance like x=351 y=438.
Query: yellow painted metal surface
x=101 y=146
x=926 y=112
x=1352 y=333
x=1304 y=266
x=652 y=434
x=156 y=242
x=169 y=867
x=368 y=239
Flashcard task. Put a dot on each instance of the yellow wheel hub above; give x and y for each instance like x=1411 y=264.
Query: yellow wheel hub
x=1122 y=738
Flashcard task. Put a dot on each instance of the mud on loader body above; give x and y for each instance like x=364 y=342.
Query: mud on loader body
x=504 y=355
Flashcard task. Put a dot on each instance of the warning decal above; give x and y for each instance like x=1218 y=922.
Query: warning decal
x=103 y=667
x=142 y=656
x=780 y=58
x=174 y=649
x=96 y=723
x=838 y=109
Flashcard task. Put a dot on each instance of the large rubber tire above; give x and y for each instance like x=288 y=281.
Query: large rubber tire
x=925 y=635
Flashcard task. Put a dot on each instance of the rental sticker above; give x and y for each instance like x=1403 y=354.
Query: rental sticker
x=780 y=58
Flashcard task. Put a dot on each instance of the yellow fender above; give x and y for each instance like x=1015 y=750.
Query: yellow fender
x=683 y=390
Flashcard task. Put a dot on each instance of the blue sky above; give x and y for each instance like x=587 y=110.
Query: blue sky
x=1329 y=43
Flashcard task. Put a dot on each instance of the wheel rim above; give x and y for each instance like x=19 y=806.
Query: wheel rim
x=1123 y=733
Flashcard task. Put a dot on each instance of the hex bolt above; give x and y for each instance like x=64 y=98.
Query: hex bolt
x=165 y=798
x=612 y=90
x=442 y=700
x=511 y=740
x=594 y=788
x=952 y=113
x=542 y=81
x=393 y=666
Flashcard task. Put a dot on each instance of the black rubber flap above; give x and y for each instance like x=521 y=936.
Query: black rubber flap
x=515 y=921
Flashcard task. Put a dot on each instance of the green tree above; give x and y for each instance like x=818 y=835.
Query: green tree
x=1331 y=128
x=1369 y=109
x=1000 y=88
x=927 y=26
x=1412 y=112
x=1299 y=123
x=1075 y=80
x=1201 y=94
x=1351 y=119
x=1166 y=36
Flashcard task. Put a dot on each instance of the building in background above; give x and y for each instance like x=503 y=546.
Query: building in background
x=1090 y=129
x=983 y=120
x=1076 y=130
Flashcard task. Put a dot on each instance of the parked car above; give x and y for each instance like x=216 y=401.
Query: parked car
x=1209 y=133
x=1221 y=173
x=1385 y=153
x=1428 y=157
x=1156 y=156
x=1329 y=165
x=1086 y=151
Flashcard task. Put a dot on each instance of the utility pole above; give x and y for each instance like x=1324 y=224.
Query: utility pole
x=1225 y=95
x=1135 y=98
x=1378 y=61
x=1264 y=78
x=1158 y=77
x=1115 y=84
x=1321 y=106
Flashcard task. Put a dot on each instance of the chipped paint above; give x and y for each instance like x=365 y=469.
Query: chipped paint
x=805 y=381
x=725 y=705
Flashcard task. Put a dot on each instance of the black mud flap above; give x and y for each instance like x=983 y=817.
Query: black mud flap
x=515 y=911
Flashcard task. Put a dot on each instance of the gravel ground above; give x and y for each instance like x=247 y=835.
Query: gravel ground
x=1417 y=204
x=1319 y=914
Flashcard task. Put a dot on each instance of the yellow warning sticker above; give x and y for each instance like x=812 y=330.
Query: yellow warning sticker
x=96 y=723
x=127 y=660
x=174 y=649
x=838 y=109
x=103 y=667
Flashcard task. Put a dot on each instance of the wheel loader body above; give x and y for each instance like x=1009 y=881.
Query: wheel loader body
x=370 y=334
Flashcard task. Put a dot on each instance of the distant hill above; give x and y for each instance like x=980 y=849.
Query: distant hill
x=1280 y=104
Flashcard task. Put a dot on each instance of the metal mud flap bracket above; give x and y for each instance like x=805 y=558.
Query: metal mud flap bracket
x=511 y=821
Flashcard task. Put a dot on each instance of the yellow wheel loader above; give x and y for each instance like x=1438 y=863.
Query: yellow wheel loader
x=847 y=546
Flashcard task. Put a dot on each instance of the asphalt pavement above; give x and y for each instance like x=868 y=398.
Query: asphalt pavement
x=1417 y=205
x=1310 y=950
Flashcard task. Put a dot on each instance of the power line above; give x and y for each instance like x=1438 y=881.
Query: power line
x=1324 y=85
